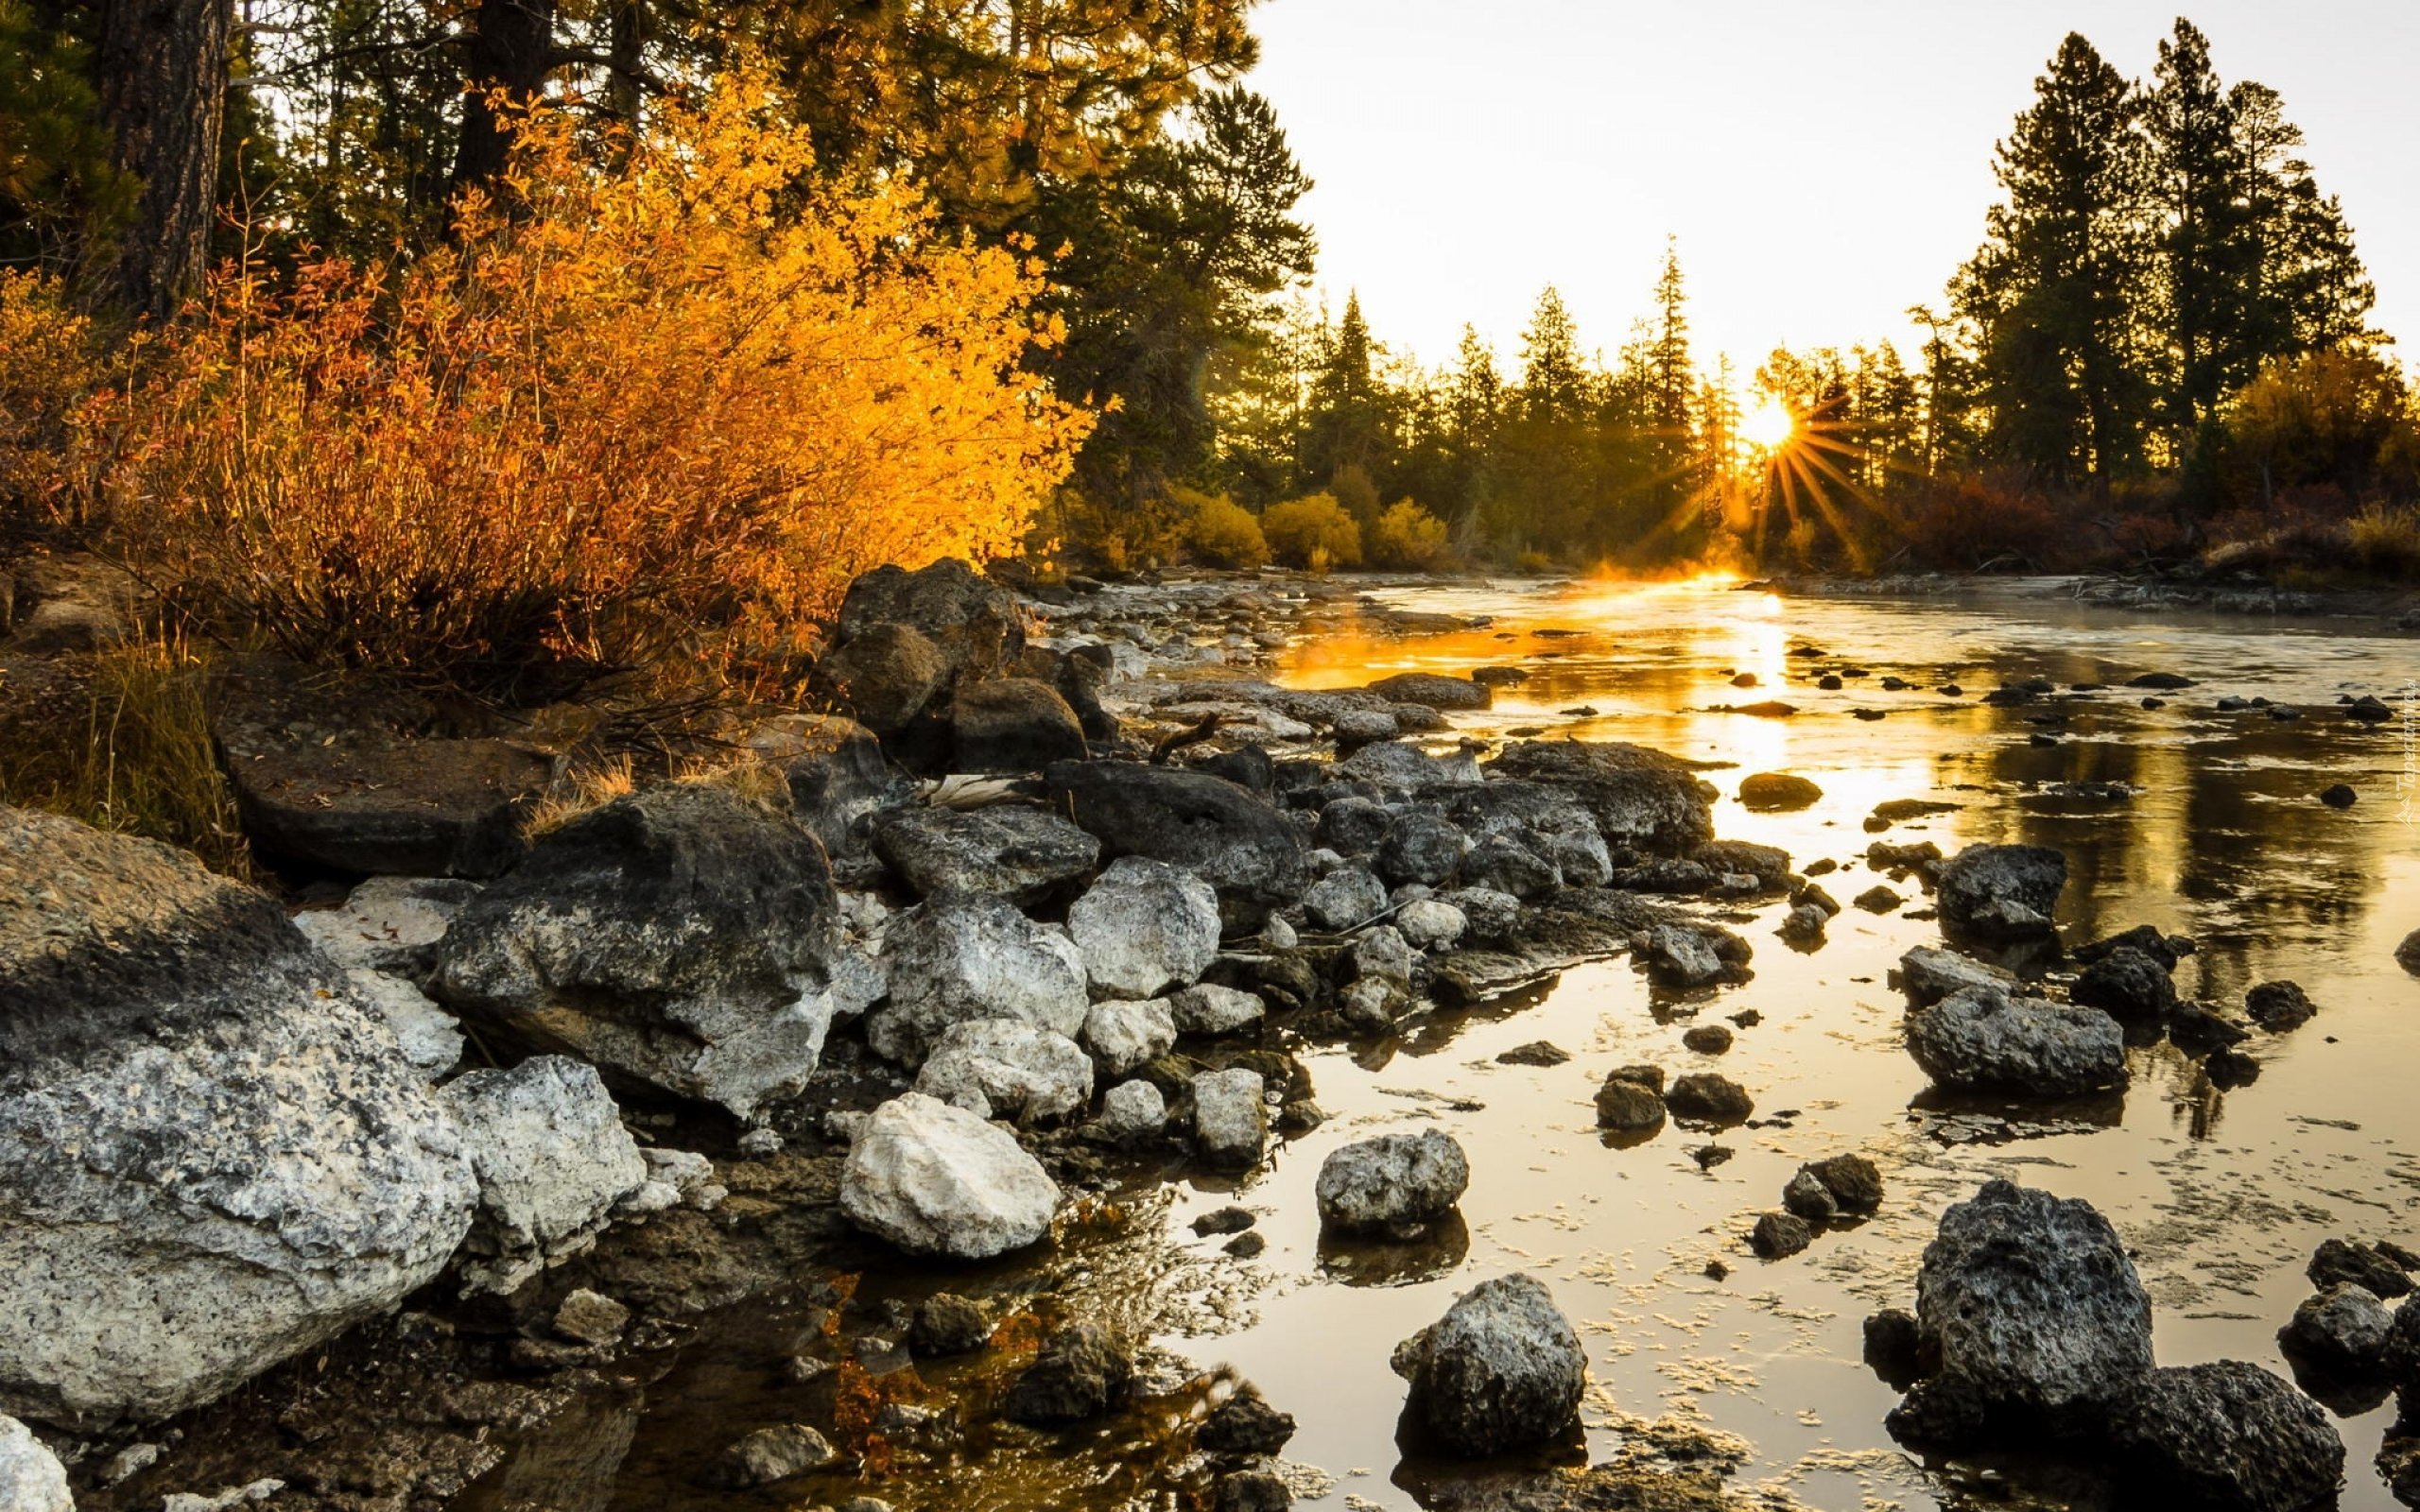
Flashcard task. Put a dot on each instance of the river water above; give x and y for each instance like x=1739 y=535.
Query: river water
x=2222 y=1196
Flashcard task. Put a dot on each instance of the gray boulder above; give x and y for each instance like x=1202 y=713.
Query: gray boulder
x=1433 y=691
x=1144 y=927
x=1929 y=973
x=1983 y=1037
x=1501 y=1370
x=1023 y=855
x=1231 y=1118
x=938 y=1180
x=1681 y=955
x=1639 y=797
x=838 y=783
x=552 y=1159
x=1210 y=1009
x=1427 y=924
x=1133 y=1110
x=1012 y=725
x=770 y=1455
x=2126 y=984
x=1007 y=1068
x=1507 y=865
x=212 y=1157
x=1249 y=852
x=1420 y=847
x=2343 y=1330
x=2030 y=1305
x=957 y=958
x=1392 y=1184
x=2001 y=891
x=680 y=937
x=1344 y=898
x=31 y=1478
x=2226 y=1434
x=1126 y=1035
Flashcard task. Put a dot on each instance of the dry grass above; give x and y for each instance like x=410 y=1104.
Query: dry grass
x=597 y=784
x=2386 y=541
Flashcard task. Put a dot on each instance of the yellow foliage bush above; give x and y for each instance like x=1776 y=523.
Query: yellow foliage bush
x=1411 y=538
x=1314 y=532
x=662 y=409
x=1220 y=532
x=46 y=371
x=2386 y=541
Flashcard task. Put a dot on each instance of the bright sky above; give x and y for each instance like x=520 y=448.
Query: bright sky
x=1824 y=164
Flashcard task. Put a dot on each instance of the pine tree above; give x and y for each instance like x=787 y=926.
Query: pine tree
x=1347 y=424
x=2309 y=291
x=2207 y=265
x=1554 y=387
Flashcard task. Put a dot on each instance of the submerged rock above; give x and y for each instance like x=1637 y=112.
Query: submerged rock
x=2279 y=1005
x=1393 y=1183
x=2227 y=1435
x=1084 y=1370
x=958 y=958
x=947 y=1324
x=211 y=1156
x=552 y=1161
x=2001 y=891
x=1704 y=1097
x=1502 y=1369
x=1005 y=1068
x=938 y=1180
x=680 y=937
x=1983 y=1037
x=1144 y=927
x=1780 y=1236
x=1778 y=792
x=1245 y=1423
x=770 y=1455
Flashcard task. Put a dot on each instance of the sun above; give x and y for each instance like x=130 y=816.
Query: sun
x=1769 y=425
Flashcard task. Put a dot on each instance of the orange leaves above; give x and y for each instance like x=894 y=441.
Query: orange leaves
x=668 y=409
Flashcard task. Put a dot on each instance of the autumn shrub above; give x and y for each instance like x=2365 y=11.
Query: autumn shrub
x=1409 y=538
x=46 y=369
x=657 y=412
x=2386 y=541
x=1312 y=532
x=1967 y=522
x=1221 y=532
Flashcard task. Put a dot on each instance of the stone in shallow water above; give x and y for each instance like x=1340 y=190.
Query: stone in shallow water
x=1231 y=1118
x=1983 y=1037
x=1500 y=1370
x=2227 y=1435
x=937 y=1180
x=1393 y=1182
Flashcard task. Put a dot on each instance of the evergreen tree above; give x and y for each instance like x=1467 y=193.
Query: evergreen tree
x=1347 y=424
x=2309 y=291
x=61 y=197
x=1553 y=384
x=2207 y=265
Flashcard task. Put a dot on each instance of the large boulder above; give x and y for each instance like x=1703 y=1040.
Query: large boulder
x=552 y=1159
x=2033 y=1310
x=840 y=784
x=679 y=938
x=1247 y=851
x=1393 y=1183
x=1144 y=927
x=1012 y=725
x=888 y=676
x=1023 y=855
x=1980 y=1036
x=1005 y=1068
x=31 y=1478
x=957 y=958
x=2226 y=1434
x=1501 y=1370
x=974 y=625
x=212 y=1157
x=1639 y=797
x=938 y=1180
x=2001 y=891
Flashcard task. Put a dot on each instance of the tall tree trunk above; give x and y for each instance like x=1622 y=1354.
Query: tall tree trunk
x=512 y=44
x=161 y=67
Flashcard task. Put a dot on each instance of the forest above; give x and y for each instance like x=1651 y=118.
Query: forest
x=496 y=342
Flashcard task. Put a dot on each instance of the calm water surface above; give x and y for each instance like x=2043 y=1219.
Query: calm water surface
x=2220 y=1194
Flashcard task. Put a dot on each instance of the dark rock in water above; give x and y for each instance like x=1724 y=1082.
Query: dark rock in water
x=1804 y=1198
x=975 y=625
x=2343 y=1330
x=2408 y=953
x=1780 y=1236
x=680 y=936
x=1877 y=900
x=2164 y=949
x=2029 y=1304
x=1704 y=1097
x=1778 y=792
x=1897 y=809
x=2195 y=1029
x=2002 y=891
x=2339 y=796
x=770 y=1455
x=1916 y=856
x=2341 y=1262
x=887 y=676
x=1433 y=691
x=1012 y=725
x=2226 y=1434
x=1685 y=956
x=1626 y=1101
x=1251 y=1491
x=212 y=1157
x=1829 y=682
x=1707 y=1039
x=1638 y=797
x=2164 y=681
x=1536 y=1053
x=2127 y=984
x=1768 y=863
x=1980 y=1037
x=1501 y=1370
x=1505 y=865
x=1243 y=848
x=1023 y=855
x=2231 y=1068
x=1894 y=1348
x=1228 y=1220
x=945 y=1324
x=1245 y=1423
x=1853 y=1182
x=1928 y=974
x=1762 y=709
x=2279 y=1005
x=1499 y=676
x=1083 y=1372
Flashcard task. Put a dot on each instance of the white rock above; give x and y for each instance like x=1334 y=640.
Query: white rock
x=31 y=1478
x=1928 y=974
x=385 y=919
x=1231 y=1118
x=1145 y=926
x=1382 y=952
x=1278 y=935
x=1133 y=1110
x=935 y=1180
x=1007 y=1068
x=1344 y=898
x=1211 y=1009
x=1392 y=1182
x=1430 y=925
x=955 y=959
x=552 y=1159
x=234 y=1496
x=1123 y=1036
x=431 y=1037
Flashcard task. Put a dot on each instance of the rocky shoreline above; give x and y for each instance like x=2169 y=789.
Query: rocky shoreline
x=327 y=1211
